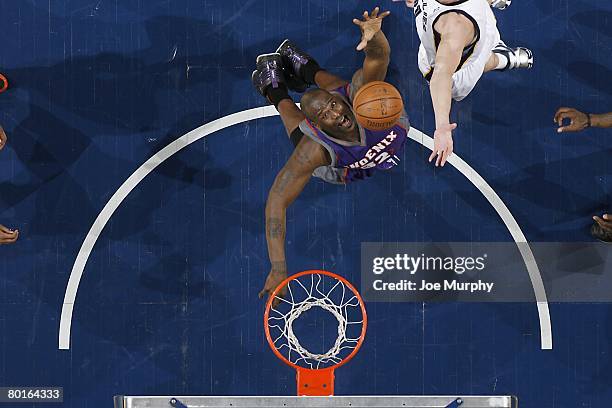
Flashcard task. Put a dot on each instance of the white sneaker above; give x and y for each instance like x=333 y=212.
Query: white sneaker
x=501 y=4
x=519 y=57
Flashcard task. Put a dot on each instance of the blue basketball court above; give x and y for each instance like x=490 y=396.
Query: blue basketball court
x=137 y=170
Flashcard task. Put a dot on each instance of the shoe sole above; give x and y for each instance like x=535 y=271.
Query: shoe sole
x=529 y=57
x=281 y=46
x=293 y=83
x=263 y=56
x=508 y=3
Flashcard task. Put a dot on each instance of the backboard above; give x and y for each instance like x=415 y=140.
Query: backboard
x=318 y=402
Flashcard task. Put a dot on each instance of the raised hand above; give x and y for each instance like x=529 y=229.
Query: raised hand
x=369 y=26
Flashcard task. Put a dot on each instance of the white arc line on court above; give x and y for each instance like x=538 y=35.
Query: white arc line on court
x=257 y=113
x=457 y=162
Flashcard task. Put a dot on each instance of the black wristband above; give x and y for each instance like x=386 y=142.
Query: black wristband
x=588 y=120
x=275 y=95
x=296 y=136
x=309 y=71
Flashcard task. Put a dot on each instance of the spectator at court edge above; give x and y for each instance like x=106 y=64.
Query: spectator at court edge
x=602 y=229
x=7 y=236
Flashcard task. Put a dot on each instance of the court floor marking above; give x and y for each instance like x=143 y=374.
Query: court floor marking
x=263 y=112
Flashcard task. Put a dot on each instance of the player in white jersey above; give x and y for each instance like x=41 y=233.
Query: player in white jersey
x=459 y=42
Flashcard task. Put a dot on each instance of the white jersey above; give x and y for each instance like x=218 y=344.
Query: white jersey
x=475 y=55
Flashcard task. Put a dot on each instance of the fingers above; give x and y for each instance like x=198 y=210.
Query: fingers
x=9 y=238
x=441 y=156
x=578 y=120
x=437 y=154
x=367 y=16
x=5 y=229
x=446 y=154
x=381 y=15
x=432 y=156
x=601 y=222
x=362 y=44
x=267 y=292
x=267 y=289
x=280 y=295
x=572 y=127
x=357 y=22
x=560 y=111
x=559 y=118
x=605 y=223
x=270 y=286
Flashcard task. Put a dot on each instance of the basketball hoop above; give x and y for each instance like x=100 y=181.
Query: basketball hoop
x=305 y=291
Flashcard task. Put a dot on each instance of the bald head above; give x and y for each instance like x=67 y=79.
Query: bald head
x=314 y=101
x=330 y=112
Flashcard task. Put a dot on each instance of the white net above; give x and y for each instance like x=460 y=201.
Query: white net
x=304 y=294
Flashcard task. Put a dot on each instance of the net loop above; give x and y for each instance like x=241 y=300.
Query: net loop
x=310 y=291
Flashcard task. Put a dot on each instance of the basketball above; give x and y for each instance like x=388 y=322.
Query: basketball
x=378 y=105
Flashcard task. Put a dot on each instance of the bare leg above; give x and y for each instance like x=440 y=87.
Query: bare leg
x=290 y=114
x=491 y=63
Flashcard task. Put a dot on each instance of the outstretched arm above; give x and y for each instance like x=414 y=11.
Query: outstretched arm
x=603 y=120
x=456 y=32
x=289 y=183
x=376 y=48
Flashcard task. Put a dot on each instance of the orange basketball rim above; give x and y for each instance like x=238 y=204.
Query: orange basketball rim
x=4 y=84
x=332 y=293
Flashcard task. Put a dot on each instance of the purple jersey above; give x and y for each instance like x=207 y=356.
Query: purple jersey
x=377 y=149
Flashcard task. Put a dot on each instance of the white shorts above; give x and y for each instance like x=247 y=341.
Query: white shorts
x=466 y=78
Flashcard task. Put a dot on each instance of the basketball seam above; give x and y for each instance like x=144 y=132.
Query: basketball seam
x=367 y=86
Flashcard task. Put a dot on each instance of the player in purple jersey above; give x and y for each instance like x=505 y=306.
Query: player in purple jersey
x=329 y=143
